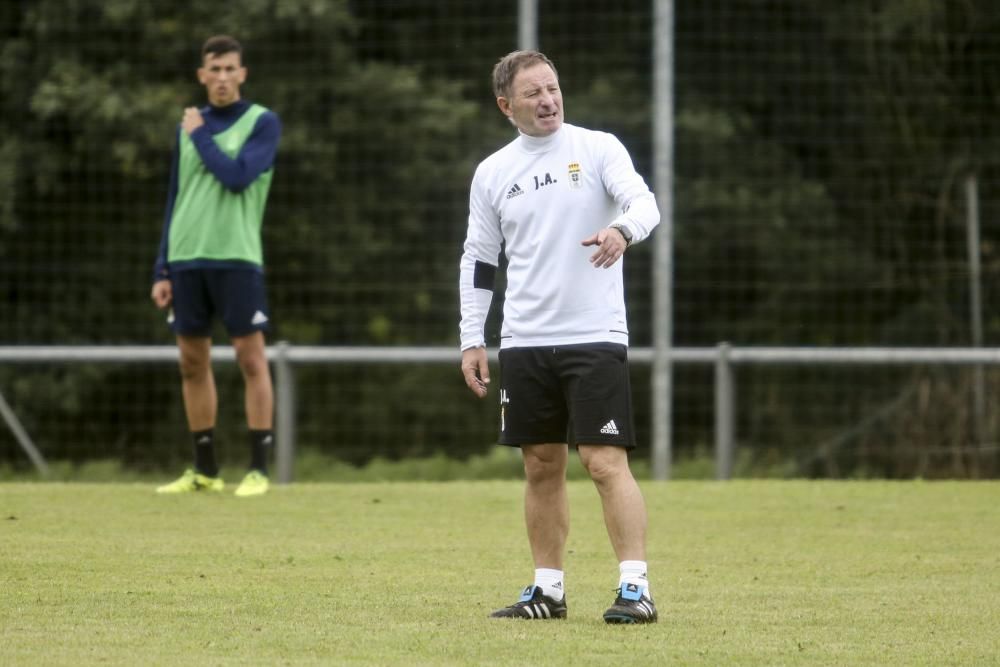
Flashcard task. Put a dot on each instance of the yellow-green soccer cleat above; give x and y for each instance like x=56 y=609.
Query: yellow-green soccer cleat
x=254 y=484
x=192 y=481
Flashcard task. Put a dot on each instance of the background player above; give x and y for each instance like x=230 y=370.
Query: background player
x=210 y=262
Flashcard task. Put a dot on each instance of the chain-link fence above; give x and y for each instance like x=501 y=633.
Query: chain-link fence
x=821 y=154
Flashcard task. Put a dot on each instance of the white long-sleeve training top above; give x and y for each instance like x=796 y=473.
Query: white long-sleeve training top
x=543 y=196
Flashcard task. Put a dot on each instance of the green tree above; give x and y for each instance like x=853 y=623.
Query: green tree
x=92 y=92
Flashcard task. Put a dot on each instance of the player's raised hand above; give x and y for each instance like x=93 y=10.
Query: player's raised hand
x=610 y=247
x=476 y=370
x=192 y=120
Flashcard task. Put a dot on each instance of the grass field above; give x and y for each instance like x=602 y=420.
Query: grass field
x=745 y=572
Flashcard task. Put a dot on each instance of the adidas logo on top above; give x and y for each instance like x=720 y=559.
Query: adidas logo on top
x=610 y=428
x=514 y=191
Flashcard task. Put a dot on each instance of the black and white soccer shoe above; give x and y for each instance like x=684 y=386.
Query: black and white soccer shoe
x=632 y=606
x=533 y=605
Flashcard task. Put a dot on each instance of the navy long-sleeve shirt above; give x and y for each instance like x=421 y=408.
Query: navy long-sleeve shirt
x=256 y=156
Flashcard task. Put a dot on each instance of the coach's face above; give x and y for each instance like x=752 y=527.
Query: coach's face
x=535 y=104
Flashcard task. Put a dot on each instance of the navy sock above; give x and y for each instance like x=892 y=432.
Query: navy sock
x=204 y=453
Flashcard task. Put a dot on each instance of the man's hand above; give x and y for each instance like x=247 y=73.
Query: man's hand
x=610 y=247
x=192 y=120
x=476 y=369
x=162 y=294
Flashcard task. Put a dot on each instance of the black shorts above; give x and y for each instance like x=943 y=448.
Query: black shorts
x=577 y=394
x=236 y=296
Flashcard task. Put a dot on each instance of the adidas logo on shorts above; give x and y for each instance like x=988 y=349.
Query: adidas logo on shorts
x=610 y=428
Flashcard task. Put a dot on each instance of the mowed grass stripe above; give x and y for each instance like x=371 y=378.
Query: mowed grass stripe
x=744 y=572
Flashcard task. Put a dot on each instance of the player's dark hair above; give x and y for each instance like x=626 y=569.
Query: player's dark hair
x=512 y=63
x=219 y=45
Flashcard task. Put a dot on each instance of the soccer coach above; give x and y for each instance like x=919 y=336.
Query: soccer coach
x=567 y=203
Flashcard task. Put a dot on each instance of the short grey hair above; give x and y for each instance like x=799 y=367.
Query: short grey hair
x=507 y=68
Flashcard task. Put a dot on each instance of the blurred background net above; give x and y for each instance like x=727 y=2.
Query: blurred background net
x=822 y=154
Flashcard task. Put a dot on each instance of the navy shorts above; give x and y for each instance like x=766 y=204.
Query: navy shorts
x=236 y=296
x=577 y=394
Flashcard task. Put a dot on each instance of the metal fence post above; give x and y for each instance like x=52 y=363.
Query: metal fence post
x=285 y=417
x=724 y=413
x=22 y=437
x=527 y=24
x=663 y=262
x=976 y=323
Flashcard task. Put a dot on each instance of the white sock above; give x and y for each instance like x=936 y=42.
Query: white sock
x=633 y=572
x=550 y=581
